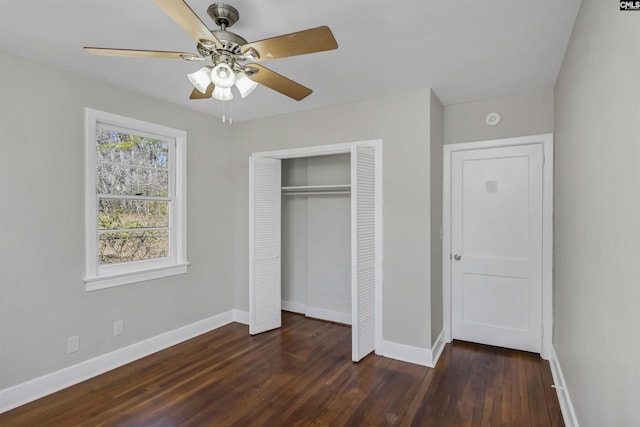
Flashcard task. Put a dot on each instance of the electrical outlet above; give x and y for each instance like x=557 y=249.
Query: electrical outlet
x=118 y=328
x=73 y=344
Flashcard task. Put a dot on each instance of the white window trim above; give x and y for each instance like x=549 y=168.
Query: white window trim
x=97 y=277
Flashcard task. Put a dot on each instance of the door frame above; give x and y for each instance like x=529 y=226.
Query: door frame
x=546 y=141
x=343 y=148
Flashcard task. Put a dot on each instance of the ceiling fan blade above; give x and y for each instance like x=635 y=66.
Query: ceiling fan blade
x=308 y=41
x=278 y=82
x=196 y=94
x=184 y=16
x=139 y=53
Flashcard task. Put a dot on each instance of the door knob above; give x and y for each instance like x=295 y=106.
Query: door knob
x=457 y=257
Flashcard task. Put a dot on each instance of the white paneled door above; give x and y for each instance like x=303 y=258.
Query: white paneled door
x=496 y=246
x=264 y=250
x=363 y=251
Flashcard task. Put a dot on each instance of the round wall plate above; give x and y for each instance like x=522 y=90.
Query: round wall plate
x=493 y=119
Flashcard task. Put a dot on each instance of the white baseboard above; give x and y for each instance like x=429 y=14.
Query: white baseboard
x=317 y=312
x=294 y=307
x=332 y=316
x=417 y=355
x=31 y=390
x=568 y=412
x=438 y=347
x=240 y=316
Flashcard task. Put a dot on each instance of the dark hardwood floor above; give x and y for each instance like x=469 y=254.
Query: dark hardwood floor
x=302 y=375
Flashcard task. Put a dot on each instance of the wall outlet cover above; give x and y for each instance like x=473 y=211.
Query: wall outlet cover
x=118 y=328
x=73 y=344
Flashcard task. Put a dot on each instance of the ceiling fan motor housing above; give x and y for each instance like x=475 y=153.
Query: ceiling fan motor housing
x=223 y=14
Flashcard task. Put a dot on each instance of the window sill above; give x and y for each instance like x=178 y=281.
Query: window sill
x=95 y=283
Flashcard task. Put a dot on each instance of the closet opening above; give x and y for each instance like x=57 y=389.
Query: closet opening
x=315 y=238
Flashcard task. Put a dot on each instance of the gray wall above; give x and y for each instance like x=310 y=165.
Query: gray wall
x=597 y=213
x=42 y=295
x=437 y=139
x=402 y=122
x=521 y=115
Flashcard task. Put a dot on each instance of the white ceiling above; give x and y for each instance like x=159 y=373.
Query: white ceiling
x=465 y=50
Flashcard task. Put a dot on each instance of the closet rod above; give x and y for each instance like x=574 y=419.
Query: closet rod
x=310 y=190
x=313 y=193
x=332 y=187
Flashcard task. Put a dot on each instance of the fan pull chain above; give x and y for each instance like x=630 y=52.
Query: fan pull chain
x=227 y=112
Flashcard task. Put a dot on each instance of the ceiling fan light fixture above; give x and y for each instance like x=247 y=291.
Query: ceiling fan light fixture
x=223 y=75
x=201 y=79
x=244 y=84
x=222 y=93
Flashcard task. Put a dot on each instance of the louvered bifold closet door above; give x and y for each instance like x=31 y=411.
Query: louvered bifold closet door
x=264 y=245
x=363 y=251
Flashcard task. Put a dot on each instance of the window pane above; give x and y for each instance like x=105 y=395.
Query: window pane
x=129 y=149
x=114 y=248
x=132 y=214
x=132 y=181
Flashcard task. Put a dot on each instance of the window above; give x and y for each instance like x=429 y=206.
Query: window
x=135 y=200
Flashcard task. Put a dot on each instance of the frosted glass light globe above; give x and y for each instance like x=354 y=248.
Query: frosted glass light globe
x=222 y=93
x=223 y=76
x=244 y=84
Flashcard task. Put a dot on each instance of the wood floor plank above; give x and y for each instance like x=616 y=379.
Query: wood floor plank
x=508 y=403
x=538 y=412
x=553 y=405
x=493 y=393
x=418 y=399
x=302 y=375
x=524 y=416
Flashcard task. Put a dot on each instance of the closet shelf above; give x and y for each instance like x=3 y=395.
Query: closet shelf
x=305 y=190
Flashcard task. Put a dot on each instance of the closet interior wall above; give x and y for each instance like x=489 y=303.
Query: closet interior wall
x=316 y=244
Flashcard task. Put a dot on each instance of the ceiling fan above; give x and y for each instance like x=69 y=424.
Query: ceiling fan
x=227 y=52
